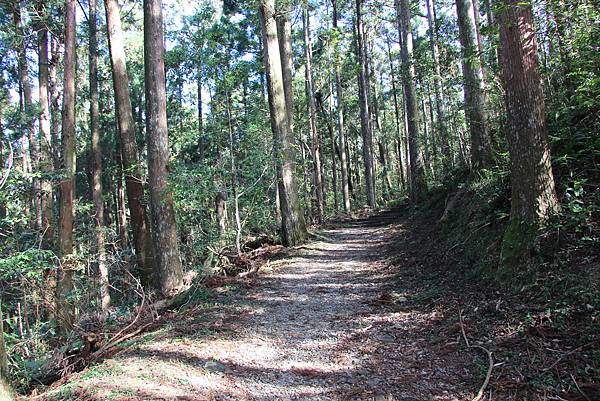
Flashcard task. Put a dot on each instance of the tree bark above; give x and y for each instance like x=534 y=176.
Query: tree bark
x=46 y=159
x=533 y=198
x=34 y=150
x=340 y=114
x=234 y=179
x=97 y=159
x=315 y=147
x=65 y=308
x=284 y=34
x=473 y=84
x=400 y=133
x=164 y=229
x=293 y=227
x=201 y=139
x=54 y=99
x=364 y=107
x=417 y=174
x=437 y=83
x=131 y=165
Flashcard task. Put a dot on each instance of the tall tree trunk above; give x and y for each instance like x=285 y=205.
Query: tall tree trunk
x=474 y=86
x=293 y=227
x=201 y=138
x=97 y=159
x=133 y=177
x=364 y=107
x=533 y=198
x=437 y=82
x=34 y=150
x=327 y=116
x=120 y=203
x=340 y=115
x=284 y=34
x=6 y=392
x=315 y=147
x=54 y=99
x=46 y=159
x=164 y=229
x=234 y=179
x=400 y=133
x=417 y=173
x=65 y=309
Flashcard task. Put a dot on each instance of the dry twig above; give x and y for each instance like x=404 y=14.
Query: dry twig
x=479 y=395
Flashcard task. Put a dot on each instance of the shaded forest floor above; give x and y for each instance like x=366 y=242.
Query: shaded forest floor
x=369 y=309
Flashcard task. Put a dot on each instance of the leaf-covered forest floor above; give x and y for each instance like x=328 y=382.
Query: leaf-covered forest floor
x=371 y=308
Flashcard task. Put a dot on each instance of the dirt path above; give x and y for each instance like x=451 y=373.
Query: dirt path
x=322 y=323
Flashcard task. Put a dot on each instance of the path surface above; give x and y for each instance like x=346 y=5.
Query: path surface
x=320 y=324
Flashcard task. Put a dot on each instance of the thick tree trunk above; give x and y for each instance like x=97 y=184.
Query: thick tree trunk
x=133 y=177
x=293 y=226
x=417 y=174
x=164 y=229
x=364 y=107
x=46 y=159
x=65 y=309
x=533 y=198
x=284 y=34
x=315 y=148
x=97 y=160
x=474 y=87
x=340 y=116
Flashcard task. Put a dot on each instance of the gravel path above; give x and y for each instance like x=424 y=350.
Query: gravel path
x=320 y=324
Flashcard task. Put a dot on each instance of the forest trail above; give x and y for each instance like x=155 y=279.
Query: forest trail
x=320 y=323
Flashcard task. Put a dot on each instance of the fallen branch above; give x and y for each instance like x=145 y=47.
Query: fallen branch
x=479 y=395
x=567 y=354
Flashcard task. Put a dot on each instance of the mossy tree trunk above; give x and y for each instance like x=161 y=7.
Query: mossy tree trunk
x=533 y=194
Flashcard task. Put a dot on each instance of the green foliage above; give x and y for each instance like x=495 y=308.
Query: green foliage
x=30 y=264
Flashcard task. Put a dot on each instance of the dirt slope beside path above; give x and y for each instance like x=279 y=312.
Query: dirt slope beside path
x=322 y=323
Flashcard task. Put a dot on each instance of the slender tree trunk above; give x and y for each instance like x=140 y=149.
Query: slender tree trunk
x=54 y=100
x=417 y=174
x=334 y=179
x=533 y=198
x=340 y=115
x=400 y=134
x=97 y=159
x=121 y=212
x=315 y=147
x=474 y=87
x=65 y=308
x=133 y=177
x=234 y=180
x=364 y=107
x=34 y=150
x=164 y=229
x=437 y=82
x=46 y=160
x=6 y=392
x=293 y=226
x=201 y=138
